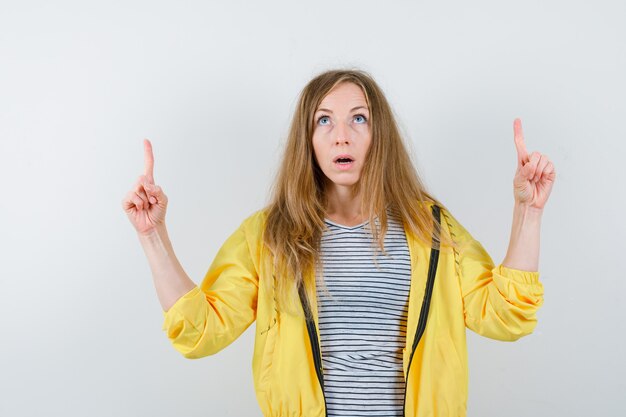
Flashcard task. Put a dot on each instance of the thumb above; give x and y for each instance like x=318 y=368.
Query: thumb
x=528 y=169
x=153 y=192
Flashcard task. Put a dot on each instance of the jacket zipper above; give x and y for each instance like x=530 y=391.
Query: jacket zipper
x=430 y=283
x=317 y=357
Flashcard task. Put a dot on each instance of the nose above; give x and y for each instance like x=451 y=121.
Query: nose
x=343 y=134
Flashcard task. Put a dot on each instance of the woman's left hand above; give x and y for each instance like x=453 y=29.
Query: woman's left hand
x=535 y=173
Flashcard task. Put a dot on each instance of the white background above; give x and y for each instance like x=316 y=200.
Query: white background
x=213 y=85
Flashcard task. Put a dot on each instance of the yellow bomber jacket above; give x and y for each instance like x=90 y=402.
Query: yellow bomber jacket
x=450 y=290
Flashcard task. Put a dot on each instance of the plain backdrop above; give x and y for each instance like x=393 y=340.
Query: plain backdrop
x=213 y=85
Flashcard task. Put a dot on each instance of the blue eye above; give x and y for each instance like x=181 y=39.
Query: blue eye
x=324 y=120
x=359 y=118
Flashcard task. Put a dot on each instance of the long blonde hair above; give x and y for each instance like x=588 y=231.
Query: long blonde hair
x=295 y=214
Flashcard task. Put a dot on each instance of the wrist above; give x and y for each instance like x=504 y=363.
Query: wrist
x=156 y=233
x=527 y=211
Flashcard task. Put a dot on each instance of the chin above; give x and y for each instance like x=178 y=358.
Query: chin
x=342 y=182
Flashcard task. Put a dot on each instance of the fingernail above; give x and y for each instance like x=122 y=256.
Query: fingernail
x=152 y=200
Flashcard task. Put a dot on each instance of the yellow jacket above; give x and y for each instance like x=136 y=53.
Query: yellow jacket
x=465 y=289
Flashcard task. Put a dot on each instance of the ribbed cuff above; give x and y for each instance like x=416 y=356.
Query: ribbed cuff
x=523 y=277
x=188 y=296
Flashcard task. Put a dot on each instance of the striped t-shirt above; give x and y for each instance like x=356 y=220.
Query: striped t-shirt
x=363 y=326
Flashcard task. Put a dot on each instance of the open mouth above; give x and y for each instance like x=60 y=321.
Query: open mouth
x=344 y=159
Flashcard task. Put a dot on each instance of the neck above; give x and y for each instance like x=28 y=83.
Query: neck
x=342 y=206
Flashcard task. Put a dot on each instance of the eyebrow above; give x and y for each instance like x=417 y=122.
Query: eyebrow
x=353 y=109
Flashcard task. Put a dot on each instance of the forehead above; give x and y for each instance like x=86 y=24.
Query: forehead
x=344 y=94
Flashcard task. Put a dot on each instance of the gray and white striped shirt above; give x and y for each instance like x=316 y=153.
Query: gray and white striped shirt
x=363 y=324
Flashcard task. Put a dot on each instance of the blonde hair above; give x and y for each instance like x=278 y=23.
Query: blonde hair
x=295 y=214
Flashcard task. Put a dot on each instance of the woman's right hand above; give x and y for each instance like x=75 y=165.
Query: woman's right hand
x=146 y=204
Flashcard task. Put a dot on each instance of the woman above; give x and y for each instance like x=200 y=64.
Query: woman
x=361 y=282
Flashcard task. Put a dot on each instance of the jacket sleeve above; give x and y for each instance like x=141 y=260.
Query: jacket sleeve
x=210 y=317
x=498 y=302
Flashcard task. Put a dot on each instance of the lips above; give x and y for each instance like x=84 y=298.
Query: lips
x=343 y=162
x=343 y=159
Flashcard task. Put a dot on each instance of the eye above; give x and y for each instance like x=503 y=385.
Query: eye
x=323 y=120
x=360 y=119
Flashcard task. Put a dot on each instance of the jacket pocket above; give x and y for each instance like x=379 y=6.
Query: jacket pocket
x=451 y=370
x=268 y=354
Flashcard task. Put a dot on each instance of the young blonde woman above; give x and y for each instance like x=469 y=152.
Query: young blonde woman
x=361 y=282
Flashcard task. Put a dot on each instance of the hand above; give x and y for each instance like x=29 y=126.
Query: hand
x=535 y=173
x=146 y=203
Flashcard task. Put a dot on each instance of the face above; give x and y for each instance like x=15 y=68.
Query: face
x=341 y=136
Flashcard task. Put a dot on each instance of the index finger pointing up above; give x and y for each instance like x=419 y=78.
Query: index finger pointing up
x=148 y=161
x=520 y=145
